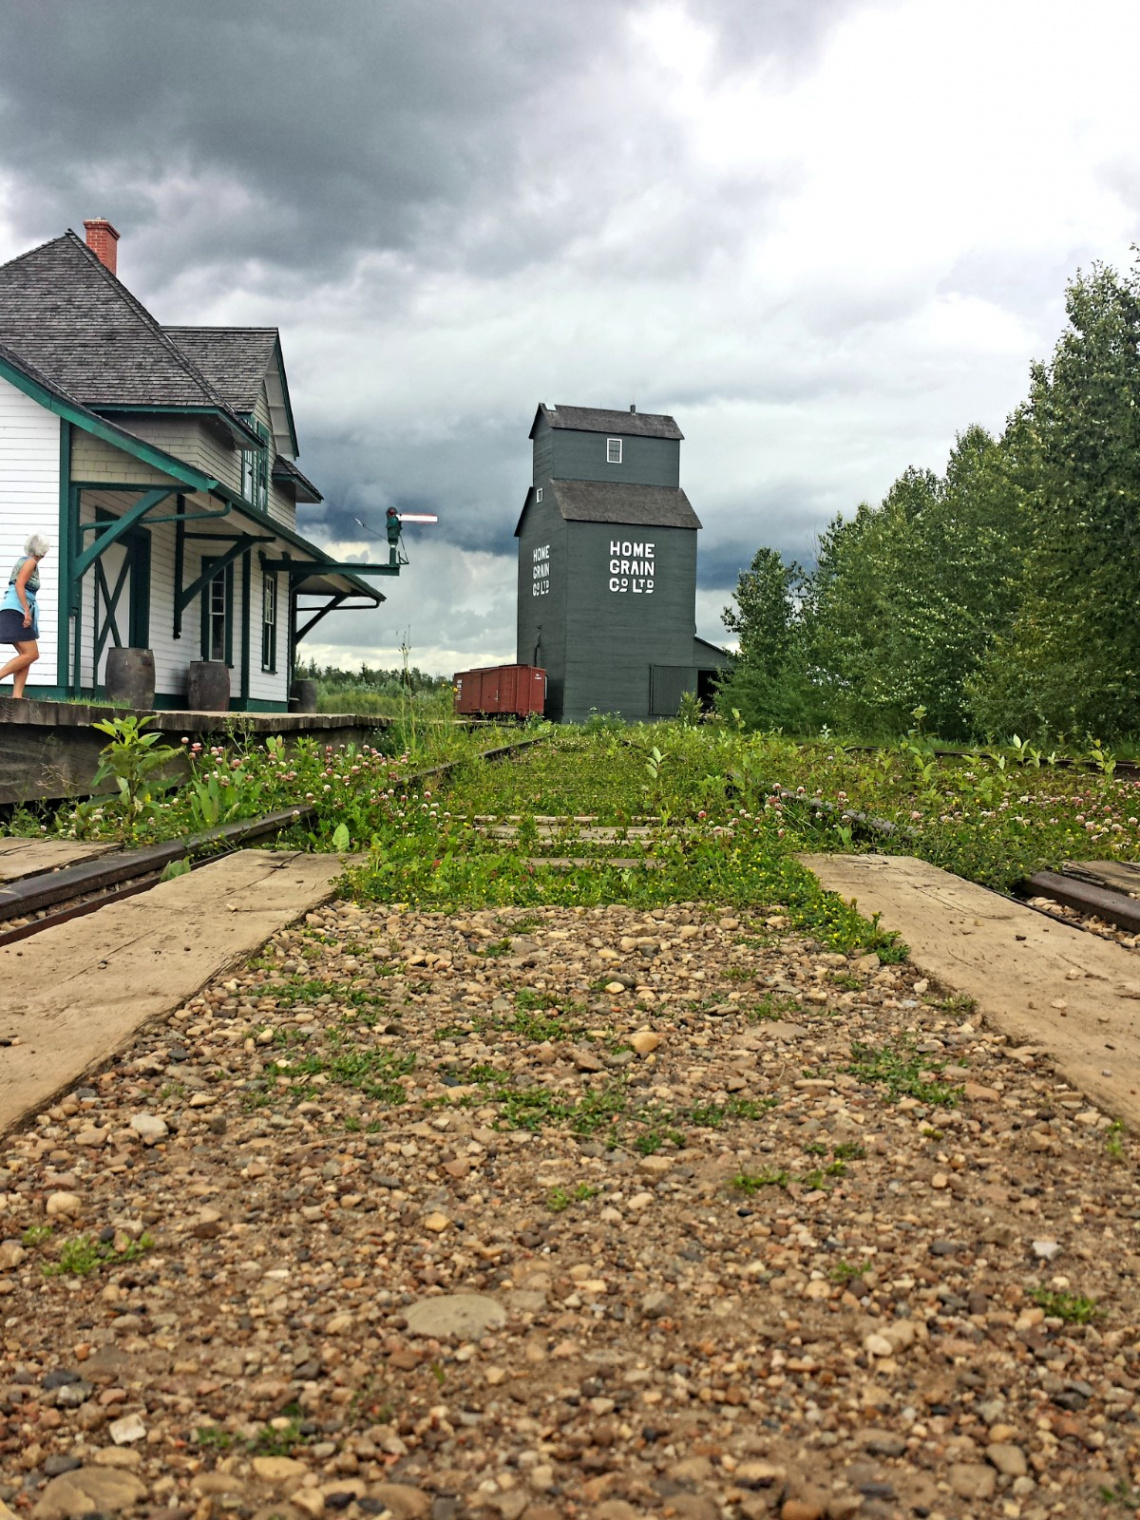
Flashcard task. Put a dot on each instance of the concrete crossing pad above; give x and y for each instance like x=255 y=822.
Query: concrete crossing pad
x=75 y=994
x=1072 y=995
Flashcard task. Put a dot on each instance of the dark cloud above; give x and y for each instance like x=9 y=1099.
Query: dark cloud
x=300 y=134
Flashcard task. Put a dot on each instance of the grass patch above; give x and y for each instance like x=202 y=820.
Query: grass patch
x=559 y=1199
x=375 y=1072
x=902 y=1072
x=752 y=1182
x=846 y=1271
x=1073 y=1308
x=83 y=1254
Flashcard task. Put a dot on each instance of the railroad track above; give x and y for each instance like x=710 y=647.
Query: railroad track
x=1059 y=762
x=33 y=903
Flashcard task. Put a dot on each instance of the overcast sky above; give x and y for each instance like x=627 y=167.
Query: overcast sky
x=826 y=235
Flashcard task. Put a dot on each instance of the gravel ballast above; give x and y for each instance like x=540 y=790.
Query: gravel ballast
x=718 y=1276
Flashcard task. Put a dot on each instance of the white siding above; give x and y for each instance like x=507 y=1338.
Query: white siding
x=281 y=506
x=29 y=503
x=172 y=656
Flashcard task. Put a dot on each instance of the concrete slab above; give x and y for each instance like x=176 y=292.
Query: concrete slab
x=1071 y=994
x=31 y=857
x=76 y=994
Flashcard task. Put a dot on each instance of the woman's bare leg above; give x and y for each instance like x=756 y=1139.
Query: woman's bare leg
x=26 y=656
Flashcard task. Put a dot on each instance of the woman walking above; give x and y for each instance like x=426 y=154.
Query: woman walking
x=19 y=614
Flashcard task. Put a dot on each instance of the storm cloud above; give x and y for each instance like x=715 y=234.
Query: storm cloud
x=824 y=236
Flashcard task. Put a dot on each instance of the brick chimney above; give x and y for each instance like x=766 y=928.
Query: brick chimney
x=102 y=240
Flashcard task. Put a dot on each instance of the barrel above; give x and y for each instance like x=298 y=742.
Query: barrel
x=303 y=697
x=208 y=686
x=129 y=677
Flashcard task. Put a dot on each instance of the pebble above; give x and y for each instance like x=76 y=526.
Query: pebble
x=465 y=1314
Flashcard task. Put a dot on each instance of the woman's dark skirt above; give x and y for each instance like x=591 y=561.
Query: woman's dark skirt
x=12 y=630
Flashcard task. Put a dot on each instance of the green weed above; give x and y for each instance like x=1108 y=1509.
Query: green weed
x=1073 y=1308
x=82 y=1255
x=901 y=1070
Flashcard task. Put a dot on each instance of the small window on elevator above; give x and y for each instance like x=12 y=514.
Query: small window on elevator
x=613 y=451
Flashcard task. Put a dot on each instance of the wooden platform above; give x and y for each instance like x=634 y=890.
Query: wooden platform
x=29 y=857
x=76 y=994
x=1072 y=995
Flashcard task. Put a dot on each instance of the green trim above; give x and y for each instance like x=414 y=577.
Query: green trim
x=76 y=583
x=302 y=567
x=88 y=422
x=285 y=394
x=179 y=553
x=66 y=541
x=291 y=536
x=246 y=583
x=125 y=409
x=110 y=626
x=264 y=705
x=87 y=557
x=184 y=596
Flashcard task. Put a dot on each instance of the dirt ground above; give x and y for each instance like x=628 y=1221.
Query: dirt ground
x=757 y=1282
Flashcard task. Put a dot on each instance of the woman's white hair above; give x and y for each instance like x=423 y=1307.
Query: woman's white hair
x=37 y=545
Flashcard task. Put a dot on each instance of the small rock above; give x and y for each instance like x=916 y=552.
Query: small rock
x=405 y=1502
x=655 y=1166
x=878 y=1345
x=463 y=1314
x=972 y=1480
x=756 y=1474
x=1045 y=1250
x=1007 y=1459
x=12 y=1254
x=880 y=1443
x=86 y=1490
x=149 y=1128
x=64 y=1203
x=656 y=1305
x=645 y=1041
x=61 y=1462
x=802 y=1509
x=279 y=1469
x=978 y=1094
x=129 y=1428
x=437 y=1223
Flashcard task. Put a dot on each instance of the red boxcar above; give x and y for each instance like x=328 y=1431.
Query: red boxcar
x=504 y=690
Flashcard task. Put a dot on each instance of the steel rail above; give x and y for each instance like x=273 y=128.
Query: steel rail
x=111 y=878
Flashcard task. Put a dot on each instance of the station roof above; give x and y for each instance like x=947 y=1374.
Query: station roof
x=62 y=310
x=589 y=419
x=622 y=505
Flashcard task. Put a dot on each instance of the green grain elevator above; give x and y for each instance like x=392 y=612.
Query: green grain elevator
x=608 y=567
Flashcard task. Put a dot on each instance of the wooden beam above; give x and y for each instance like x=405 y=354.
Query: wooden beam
x=87 y=557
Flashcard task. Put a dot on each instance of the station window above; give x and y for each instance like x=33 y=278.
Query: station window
x=255 y=471
x=538 y=494
x=269 y=622
x=218 y=614
x=613 y=451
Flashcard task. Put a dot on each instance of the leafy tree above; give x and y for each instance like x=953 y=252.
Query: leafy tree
x=767 y=685
x=1071 y=657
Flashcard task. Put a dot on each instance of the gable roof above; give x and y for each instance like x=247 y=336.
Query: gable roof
x=237 y=361
x=48 y=393
x=63 y=311
x=233 y=359
x=605 y=501
x=285 y=469
x=589 y=419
